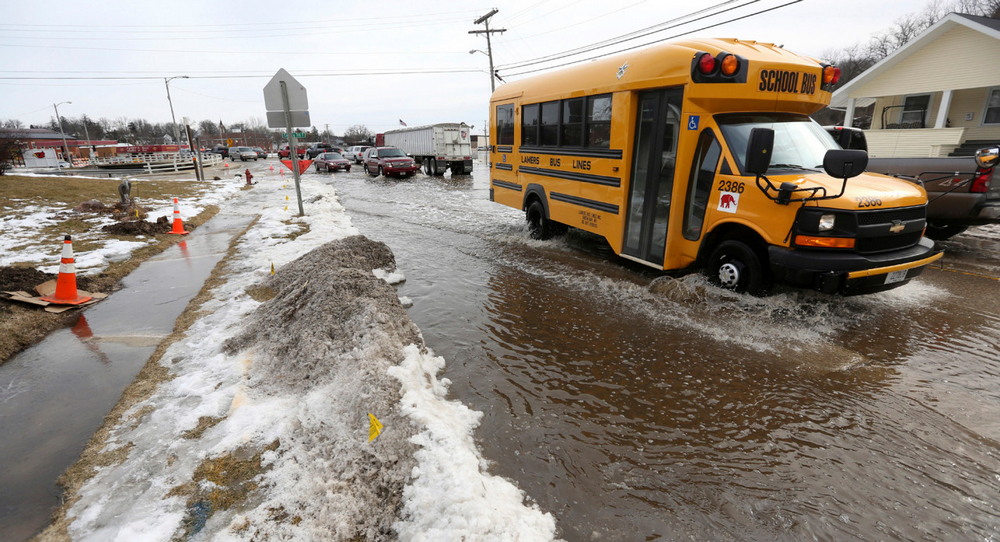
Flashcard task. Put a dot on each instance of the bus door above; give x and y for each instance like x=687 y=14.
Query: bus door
x=656 y=131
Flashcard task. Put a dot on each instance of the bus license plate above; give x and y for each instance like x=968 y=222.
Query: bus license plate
x=895 y=276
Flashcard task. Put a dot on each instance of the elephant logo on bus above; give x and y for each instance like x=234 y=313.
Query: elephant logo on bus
x=729 y=202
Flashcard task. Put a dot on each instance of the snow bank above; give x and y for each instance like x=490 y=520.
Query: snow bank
x=262 y=433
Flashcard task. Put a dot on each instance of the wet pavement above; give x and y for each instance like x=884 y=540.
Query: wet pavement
x=54 y=395
x=638 y=407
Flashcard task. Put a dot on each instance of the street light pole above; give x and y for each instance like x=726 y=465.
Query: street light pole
x=69 y=155
x=166 y=83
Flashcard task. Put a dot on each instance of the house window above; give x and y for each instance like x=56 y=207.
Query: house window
x=992 y=114
x=914 y=112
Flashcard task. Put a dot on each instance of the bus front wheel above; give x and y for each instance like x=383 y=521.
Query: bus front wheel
x=735 y=266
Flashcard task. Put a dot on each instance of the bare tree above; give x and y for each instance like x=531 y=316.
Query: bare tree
x=357 y=134
x=11 y=144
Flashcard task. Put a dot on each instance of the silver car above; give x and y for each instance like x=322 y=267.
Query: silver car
x=243 y=153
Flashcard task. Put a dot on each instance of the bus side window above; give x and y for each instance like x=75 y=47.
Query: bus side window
x=505 y=124
x=706 y=161
x=529 y=124
x=599 y=121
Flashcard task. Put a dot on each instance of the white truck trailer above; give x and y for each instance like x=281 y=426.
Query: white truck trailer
x=437 y=147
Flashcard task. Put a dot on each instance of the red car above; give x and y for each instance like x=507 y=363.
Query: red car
x=283 y=152
x=331 y=161
x=389 y=161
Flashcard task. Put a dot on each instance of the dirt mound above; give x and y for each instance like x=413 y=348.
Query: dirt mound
x=139 y=227
x=329 y=334
x=22 y=278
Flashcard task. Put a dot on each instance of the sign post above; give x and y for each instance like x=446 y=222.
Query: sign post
x=287 y=97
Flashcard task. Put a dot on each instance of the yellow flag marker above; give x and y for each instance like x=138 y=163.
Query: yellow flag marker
x=286 y=198
x=374 y=427
x=272 y=268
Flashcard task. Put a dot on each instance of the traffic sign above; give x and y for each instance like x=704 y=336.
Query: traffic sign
x=296 y=93
x=276 y=119
x=300 y=135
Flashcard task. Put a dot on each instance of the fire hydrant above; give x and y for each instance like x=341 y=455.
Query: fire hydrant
x=249 y=176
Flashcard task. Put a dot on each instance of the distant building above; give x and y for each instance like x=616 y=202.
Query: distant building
x=938 y=95
x=44 y=138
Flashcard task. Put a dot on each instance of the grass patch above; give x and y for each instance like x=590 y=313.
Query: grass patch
x=23 y=325
x=220 y=483
x=17 y=191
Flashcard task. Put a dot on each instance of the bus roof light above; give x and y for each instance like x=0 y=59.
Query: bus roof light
x=831 y=74
x=730 y=64
x=706 y=63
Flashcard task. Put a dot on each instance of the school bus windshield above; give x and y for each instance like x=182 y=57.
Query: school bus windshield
x=799 y=143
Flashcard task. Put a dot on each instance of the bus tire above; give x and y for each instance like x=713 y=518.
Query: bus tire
x=735 y=266
x=539 y=225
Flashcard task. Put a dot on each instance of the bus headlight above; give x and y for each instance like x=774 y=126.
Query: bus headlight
x=826 y=222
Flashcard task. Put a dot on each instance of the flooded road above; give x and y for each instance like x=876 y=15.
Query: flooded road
x=638 y=407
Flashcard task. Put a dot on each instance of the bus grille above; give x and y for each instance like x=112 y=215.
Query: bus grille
x=875 y=234
x=870 y=218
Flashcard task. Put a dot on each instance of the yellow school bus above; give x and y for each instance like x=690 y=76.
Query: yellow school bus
x=700 y=153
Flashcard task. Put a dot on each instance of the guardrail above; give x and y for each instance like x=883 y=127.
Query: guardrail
x=159 y=162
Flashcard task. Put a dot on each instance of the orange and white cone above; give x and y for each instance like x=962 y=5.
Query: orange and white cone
x=66 y=293
x=178 y=223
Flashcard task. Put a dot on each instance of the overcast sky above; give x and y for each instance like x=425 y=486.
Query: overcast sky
x=370 y=63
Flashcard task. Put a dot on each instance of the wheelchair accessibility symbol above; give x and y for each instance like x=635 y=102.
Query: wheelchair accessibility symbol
x=693 y=122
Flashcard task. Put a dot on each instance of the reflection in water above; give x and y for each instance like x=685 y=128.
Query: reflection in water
x=634 y=407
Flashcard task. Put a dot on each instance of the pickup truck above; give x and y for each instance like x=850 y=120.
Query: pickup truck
x=961 y=190
x=283 y=152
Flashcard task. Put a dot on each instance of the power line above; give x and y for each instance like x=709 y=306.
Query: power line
x=659 y=27
x=655 y=41
x=245 y=76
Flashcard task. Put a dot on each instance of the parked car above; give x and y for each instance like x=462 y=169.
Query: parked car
x=389 y=161
x=356 y=153
x=316 y=148
x=221 y=150
x=243 y=153
x=331 y=161
x=261 y=153
x=283 y=152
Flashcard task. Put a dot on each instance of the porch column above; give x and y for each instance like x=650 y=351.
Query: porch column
x=942 y=114
x=849 y=113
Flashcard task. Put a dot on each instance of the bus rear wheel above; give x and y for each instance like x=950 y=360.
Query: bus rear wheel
x=540 y=226
x=735 y=266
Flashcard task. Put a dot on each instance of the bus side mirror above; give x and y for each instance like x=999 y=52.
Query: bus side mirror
x=759 y=150
x=848 y=137
x=844 y=163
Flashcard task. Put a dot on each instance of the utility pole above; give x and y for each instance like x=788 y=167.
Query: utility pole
x=485 y=19
x=166 y=83
x=68 y=156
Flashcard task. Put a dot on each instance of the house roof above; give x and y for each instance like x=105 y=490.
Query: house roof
x=31 y=133
x=984 y=25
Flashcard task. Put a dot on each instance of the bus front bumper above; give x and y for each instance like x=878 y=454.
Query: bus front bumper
x=848 y=273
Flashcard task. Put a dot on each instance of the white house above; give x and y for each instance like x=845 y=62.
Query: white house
x=937 y=95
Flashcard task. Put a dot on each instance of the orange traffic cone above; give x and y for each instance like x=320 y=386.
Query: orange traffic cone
x=66 y=293
x=178 y=223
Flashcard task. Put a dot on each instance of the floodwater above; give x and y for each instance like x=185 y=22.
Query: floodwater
x=638 y=407
x=54 y=395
